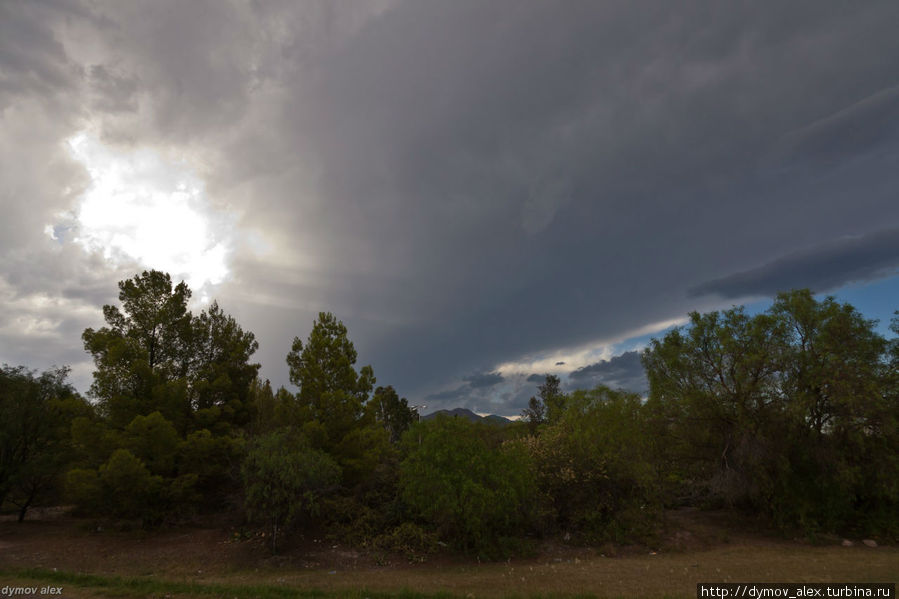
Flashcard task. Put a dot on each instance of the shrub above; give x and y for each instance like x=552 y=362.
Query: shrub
x=284 y=479
x=470 y=492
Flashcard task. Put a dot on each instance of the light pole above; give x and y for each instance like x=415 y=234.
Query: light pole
x=418 y=411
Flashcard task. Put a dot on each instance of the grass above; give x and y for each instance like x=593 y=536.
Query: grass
x=672 y=575
x=205 y=563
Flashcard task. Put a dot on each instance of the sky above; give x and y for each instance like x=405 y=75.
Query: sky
x=482 y=191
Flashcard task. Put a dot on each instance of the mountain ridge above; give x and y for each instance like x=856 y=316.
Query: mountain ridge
x=468 y=415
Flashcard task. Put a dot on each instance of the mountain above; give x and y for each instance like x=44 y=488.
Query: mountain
x=468 y=415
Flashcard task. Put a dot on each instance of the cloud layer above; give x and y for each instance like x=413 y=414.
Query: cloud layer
x=824 y=267
x=465 y=184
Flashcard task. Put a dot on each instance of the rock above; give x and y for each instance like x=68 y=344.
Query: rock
x=870 y=542
x=847 y=543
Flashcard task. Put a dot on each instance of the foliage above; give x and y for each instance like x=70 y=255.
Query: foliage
x=154 y=355
x=285 y=479
x=534 y=414
x=221 y=374
x=788 y=412
x=35 y=415
x=331 y=391
x=154 y=441
x=213 y=461
x=123 y=487
x=549 y=404
x=792 y=413
x=141 y=349
x=471 y=492
x=171 y=388
x=593 y=466
x=391 y=412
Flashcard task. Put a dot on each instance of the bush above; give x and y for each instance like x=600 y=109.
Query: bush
x=470 y=492
x=284 y=480
x=593 y=469
x=122 y=488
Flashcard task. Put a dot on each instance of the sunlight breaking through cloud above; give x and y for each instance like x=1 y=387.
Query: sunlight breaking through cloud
x=141 y=206
x=565 y=360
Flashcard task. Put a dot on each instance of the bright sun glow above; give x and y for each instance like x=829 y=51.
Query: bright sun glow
x=140 y=206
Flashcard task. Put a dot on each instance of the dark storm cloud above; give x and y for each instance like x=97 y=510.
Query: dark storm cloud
x=869 y=125
x=536 y=378
x=619 y=372
x=466 y=183
x=623 y=143
x=33 y=61
x=476 y=385
x=480 y=380
x=450 y=394
x=821 y=268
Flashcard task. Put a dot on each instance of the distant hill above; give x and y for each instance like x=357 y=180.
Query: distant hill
x=468 y=415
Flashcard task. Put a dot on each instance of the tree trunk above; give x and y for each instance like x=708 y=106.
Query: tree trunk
x=24 y=507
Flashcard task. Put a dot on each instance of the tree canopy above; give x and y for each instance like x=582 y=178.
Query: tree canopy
x=330 y=389
x=792 y=412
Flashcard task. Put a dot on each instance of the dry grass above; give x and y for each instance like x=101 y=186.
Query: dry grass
x=713 y=552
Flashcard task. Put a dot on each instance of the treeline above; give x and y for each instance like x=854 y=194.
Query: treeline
x=792 y=415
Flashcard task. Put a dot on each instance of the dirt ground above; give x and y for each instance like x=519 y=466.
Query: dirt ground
x=696 y=547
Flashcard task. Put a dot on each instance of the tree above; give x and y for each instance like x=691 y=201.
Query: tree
x=391 y=412
x=166 y=382
x=142 y=349
x=221 y=374
x=155 y=355
x=550 y=393
x=122 y=487
x=534 y=414
x=153 y=440
x=329 y=387
x=593 y=466
x=784 y=412
x=285 y=479
x=547 y=406
x=35 y=415
x=472 y=492
x=715 y=387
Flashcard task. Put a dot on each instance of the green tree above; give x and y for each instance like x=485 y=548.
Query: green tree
x=552 y=397
x=221 y=374
x=142 y=349
x=785 y=412
x=154 y=441
x=548 y=406
x=392 y=412
x=714 y=389
x=35 y=415
x=453 y=479
x=155 y=355
x=122 y=487
x=594 y=469
x=284 y=480
x=329 y=386
x=166 y=382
